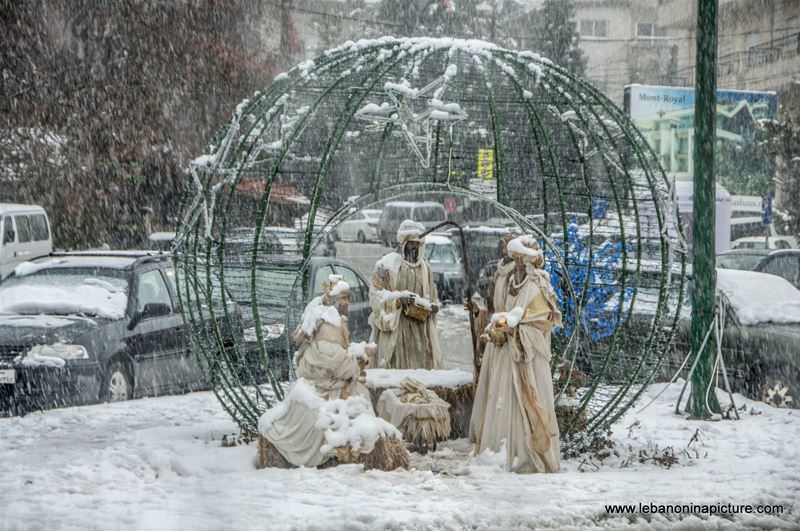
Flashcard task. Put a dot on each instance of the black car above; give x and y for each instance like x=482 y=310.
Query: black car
x=78 y=328
x=483 y=251
x=759 y=341
x=784 y=263
x=446 y=267
x=281 y=298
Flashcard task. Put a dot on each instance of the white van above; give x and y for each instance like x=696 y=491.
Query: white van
x=394 y=213
x=24 y=235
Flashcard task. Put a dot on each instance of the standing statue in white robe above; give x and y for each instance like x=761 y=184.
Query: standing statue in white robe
x=404 y=305
x=513 y=410
x=326 y=371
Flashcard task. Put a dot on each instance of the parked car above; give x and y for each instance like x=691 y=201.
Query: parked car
x=753 y=228
x=78 y=328
x=239 y=241
x=24 y=235
x=427 y=213
x=483 y=251
x=758 y=242
x=759 y=342
x=361 y=226
x=446 y=266
x=281 y=301
x=784 y=263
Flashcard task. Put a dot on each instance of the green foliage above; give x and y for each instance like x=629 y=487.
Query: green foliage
x=746 y=168
x=556 y=36
x=783 y=142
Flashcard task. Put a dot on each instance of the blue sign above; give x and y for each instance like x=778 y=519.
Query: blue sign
x=766 y=210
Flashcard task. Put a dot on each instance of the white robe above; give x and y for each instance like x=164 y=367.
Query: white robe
x=385 y=318
x=513 y=409
x=326 y=366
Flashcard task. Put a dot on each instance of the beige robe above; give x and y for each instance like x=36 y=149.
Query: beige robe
x=404 y=342
x=513 y=408
x=323 y=363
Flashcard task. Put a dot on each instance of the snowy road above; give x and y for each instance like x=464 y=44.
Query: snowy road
x=158 y=464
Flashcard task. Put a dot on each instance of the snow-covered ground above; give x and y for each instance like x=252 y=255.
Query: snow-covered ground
x=159 y=464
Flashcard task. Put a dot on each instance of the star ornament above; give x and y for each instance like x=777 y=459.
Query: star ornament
x=416 y=127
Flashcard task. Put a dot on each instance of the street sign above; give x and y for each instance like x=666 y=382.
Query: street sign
x=766 y=210
x=485 y=164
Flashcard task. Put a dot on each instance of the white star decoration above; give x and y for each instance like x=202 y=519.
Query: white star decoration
x=415 y=127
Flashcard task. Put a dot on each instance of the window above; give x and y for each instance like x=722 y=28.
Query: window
x=358 y=290
x=645 y=29
x=649 y=31
x=8 y=230
x=441 y=254
x=23 y=229
x=784 y=266
x=320 y=277
x=152 y=290
x=429 y=214
x=39 y=230
x=594 y=28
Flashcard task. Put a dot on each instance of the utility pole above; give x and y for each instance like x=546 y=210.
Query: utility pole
x=704 y=275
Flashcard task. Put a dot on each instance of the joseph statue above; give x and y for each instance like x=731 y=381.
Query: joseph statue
x=513 y=410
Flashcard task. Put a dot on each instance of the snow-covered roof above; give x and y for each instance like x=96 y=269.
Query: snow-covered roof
x=391 y=378
x=161 y=236
x=412 y=204
x=760 y=297
x=437 y=239
x=8 y=208
x=72 y=261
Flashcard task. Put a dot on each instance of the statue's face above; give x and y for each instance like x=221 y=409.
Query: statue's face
x=519 y=264
x=343 y=305
x=411 y=251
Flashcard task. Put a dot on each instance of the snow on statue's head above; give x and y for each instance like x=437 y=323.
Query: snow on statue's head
x=408 y=234
x=525 y=250
x=336 y=292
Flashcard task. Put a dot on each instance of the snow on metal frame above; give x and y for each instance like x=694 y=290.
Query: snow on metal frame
x=382 y=118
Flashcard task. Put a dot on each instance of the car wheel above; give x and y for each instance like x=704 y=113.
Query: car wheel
x=118 y=385
x=777 y=393
x=361 y=237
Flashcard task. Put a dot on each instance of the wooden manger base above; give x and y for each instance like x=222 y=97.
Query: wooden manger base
x=460 y=396
x=389 y=454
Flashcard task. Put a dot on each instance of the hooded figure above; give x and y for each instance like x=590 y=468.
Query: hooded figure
x=513 y=409
x=325 y=370
x=404 y=305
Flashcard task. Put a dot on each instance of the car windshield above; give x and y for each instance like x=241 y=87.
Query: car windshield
x=744 y=262
x=429 y=214
x=92 y=292
x=273 y=286
x=441 y=254
x=754 y=244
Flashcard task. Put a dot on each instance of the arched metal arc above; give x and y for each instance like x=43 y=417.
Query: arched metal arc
x=646 y=163
x=262 y=211
x=266 y=118
x=610 y=405
x=638 y=147
x=536 y=125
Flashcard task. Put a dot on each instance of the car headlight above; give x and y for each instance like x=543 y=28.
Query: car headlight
x=60 y=350
x=269 y=332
